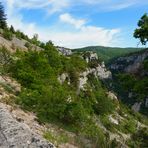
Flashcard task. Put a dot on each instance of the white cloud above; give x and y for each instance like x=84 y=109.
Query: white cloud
x=87 y=36
x=67 y=18
x=81 y=34
x=112 y=5
x=50 y=6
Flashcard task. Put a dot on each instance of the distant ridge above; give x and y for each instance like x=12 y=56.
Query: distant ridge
x=107 y=53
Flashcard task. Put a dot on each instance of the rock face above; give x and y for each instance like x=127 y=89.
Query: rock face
x=16 y=43
x=136 y=107
x=90 y=56
x=131 y=63
x=14 y=134
x=63 y=77
x=64 y=51
x=100 y=71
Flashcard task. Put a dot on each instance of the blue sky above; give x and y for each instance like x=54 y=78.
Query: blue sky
x=78 y=23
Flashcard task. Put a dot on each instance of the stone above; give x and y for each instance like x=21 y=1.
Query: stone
x=136 y=106
x=146 y=102
x=62 y=77
x=115 y=121
x=112 y=95
x=18 y=135
x=64 y=51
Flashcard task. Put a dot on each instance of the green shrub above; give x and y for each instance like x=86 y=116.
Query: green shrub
x=7 y=35
x=56 y=139
x=28 y=45
x=139 y=139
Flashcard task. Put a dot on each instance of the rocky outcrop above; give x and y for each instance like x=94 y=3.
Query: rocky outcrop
x=136 y=107
x=130 y=63
x=146 y=102
x=99 y=71
x=112 y=96
x=63 y=77
x=14 y=134
x=64 y=51
x=90 y=56
x=16 y=43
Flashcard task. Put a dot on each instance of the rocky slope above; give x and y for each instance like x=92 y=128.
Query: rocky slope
x=16 y=134
x=20 y=128
x=14 y=131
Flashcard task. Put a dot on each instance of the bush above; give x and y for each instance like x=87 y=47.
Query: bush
x=104 y=104
x=7 y=35
x=139 y=138
x=5 y=59
x=28 y=45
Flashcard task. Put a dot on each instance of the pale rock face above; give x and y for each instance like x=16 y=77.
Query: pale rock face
x=99 y=71
x=16 y=134
x=93 y=56
x=102 y=73
x=64 y=51
x=115 y=121
x=146 y=102
x=130 y=94
x=83 y=79
x=16 y=43
x=112 y=95
x=136 y=107
x=69 y=100
x=130 y=64
x=62 y=77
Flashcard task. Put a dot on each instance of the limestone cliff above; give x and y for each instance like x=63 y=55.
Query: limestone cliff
x=130 y=63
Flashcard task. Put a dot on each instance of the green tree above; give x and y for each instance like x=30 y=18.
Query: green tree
x=142 y=31
x=3 y=23
x=12 y=29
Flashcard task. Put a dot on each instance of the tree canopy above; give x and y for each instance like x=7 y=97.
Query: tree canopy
x=2 y=17
x=142 y=31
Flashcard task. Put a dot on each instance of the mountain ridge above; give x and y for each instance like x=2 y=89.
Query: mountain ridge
x=107 y=53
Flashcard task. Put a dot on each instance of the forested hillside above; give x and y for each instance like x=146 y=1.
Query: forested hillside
x=108 y=53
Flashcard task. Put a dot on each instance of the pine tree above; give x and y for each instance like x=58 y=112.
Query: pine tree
x=3 y=23
x=12 y=29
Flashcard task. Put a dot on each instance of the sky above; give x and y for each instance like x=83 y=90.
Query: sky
x=78 y=23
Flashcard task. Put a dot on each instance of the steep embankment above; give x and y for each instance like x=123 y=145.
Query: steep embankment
x=15 y=131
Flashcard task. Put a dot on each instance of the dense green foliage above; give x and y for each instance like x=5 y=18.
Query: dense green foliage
x=139 y=139
x=43 y=94
x=107 y=53
x=142 y=31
